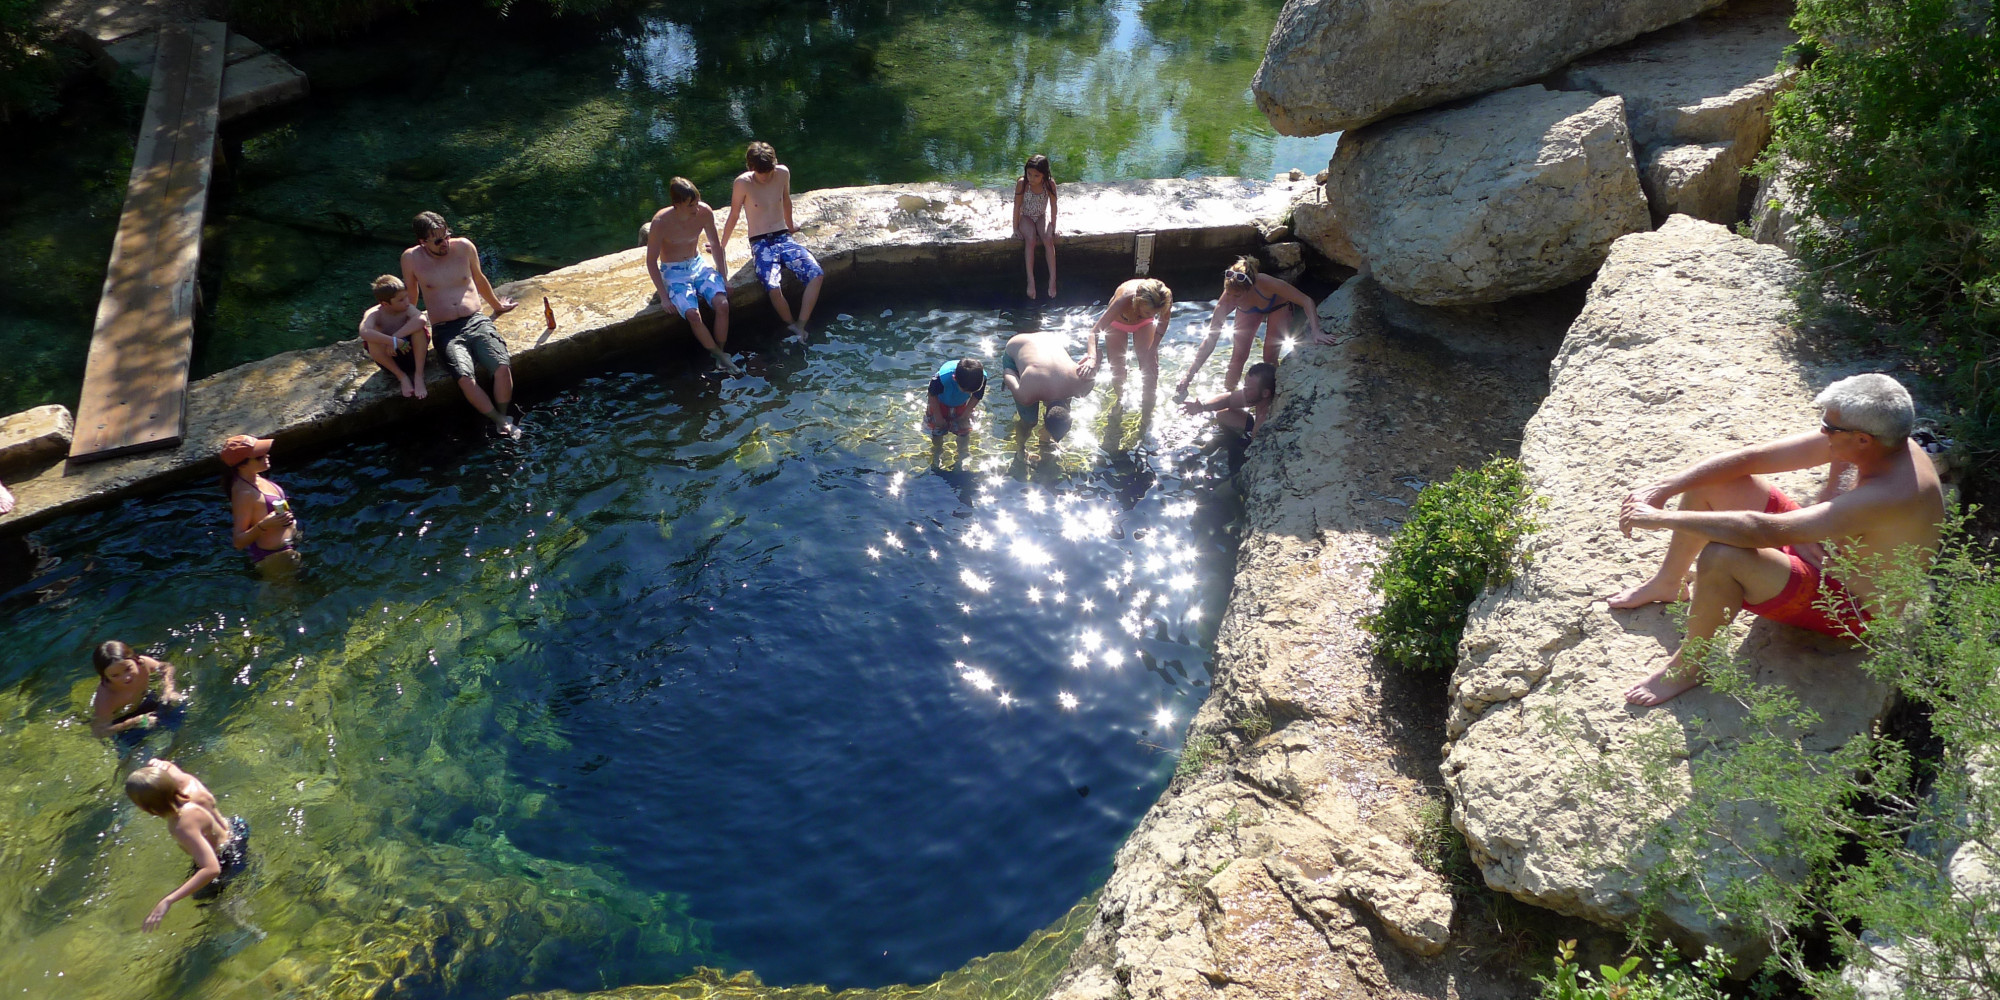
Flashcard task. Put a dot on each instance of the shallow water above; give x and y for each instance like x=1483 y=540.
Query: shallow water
x=551 y=143
x=701 y=671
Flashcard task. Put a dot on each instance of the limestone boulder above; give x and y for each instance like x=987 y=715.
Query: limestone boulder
x=1682 y=350
x=1333 y=65
x=35 y=436
x=1698 y=98
x=1775 y=216
x=1520 y=191
x=1316 y=225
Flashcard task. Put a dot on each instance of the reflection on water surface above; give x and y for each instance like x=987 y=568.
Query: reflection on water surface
x=551 y=143
x=702 y=671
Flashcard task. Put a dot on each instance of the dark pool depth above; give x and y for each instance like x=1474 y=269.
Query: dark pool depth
x=701 y=671
x=551 y=142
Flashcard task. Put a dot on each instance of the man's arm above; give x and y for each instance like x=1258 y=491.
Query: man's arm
x=1850 y=513
x=1800 y=451
x=410 y=282
x=1207 y=345
x=653 y=263
x=716 y=247
x=736 y=197
x=484 y=287
x=790 y=226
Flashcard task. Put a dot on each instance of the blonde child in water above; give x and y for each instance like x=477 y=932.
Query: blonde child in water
x=1035 y=216
x=218 y=846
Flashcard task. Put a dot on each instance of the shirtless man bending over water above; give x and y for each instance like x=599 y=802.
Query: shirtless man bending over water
x=763 y=196
x=1038 y=370
x=1755 y=549
x=674 y=235
x=444 y=270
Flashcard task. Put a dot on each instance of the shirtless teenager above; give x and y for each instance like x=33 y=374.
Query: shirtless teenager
x=397 y=335
x=1038 y=372
x=124 y=699
x=1257 y=300
x=442 y=271
x=1241 y=410
x=220 y=847
x=674 y=235
x=763 y=196
x=1753 y=548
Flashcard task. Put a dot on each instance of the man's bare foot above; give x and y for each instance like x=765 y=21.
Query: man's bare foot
x=1663 y=686
x=1653 y=591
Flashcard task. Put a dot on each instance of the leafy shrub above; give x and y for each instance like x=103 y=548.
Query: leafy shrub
x=1891 y=141
x=1876 y=823
x=1463 y=535
x=32 y=61
x=1629 y=981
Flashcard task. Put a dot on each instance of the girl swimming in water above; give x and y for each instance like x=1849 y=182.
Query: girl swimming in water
x=261 y=513
x=1035 y=216
x=219 y=846
x=125 y=698
x=1257 y=300
x=1140 y=307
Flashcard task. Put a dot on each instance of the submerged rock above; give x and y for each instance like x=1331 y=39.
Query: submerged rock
x=1684 y=349
x=1341 y=64
x=1520 y=191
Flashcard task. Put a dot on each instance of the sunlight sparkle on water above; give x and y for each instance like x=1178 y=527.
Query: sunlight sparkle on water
x=1035 y=594
x=1114 y=657
x=1087 y=604
x=1065 y=699
x=976 y=582
x=1163 y=718
x=1031 y=554
x=1091 y=639
x=1080 y=661
x=874 y=553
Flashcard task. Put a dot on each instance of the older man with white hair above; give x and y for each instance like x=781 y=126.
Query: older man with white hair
x=1753 y=548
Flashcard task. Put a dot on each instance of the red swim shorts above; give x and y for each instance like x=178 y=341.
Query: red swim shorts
x=1802 y=601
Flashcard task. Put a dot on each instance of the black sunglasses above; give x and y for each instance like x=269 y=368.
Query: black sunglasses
x=1826 y=428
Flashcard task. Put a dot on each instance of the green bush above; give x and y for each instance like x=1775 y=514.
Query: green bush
x=32 y=61
x=1463 y=535
x=1628 y=981
x=1875 y=823
x=1891 y=142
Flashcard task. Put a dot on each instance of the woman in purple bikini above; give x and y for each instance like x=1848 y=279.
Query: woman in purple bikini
x=262 y=514
x=1140 y=307
x=1257 y=300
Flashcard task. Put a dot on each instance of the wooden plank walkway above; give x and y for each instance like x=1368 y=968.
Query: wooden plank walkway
x=135 y=383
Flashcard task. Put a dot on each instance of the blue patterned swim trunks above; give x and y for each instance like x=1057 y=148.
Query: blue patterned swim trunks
x=775 y=253
x=691 y=282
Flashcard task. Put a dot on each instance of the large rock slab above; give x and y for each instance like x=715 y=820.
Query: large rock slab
x=1282 y=867
x=1698 y=97
x=34 y=437
x=1341 y=64
x=1520 y=191
x=1683 y=349
x=863 y=236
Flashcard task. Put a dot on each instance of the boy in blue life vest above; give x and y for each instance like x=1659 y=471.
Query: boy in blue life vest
x=955 y=390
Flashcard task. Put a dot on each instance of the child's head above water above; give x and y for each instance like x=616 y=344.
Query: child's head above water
x=681 y=191
x=386 y=288
x=115 y=661
x=970 y=374
x=155 y=788
x=1261 y=380
x=1055 y=420
x=760 y=157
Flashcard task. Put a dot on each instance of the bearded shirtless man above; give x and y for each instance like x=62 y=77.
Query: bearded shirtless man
x=1753 y=548
x=444 y=271
x=1037 y=370
x=763 y=196
x=674 y=236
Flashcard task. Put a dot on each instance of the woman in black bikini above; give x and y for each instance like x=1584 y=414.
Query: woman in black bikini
x=125 y=700
x=262 y=514
x=1258 y=300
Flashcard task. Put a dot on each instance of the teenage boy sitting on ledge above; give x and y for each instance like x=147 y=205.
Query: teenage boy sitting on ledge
x=397 y=335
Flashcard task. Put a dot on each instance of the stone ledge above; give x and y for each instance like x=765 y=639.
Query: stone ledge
x=34 y=437
x=862 y=236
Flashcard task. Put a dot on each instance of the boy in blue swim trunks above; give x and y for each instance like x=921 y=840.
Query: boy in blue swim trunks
x=763 y=196
x=675 y=236
x=955 y=392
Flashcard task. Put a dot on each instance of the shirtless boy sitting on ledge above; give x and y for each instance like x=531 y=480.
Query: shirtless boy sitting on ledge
x=1755 y=549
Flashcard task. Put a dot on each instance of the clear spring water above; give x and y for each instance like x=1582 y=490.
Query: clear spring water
x=549 y=143
x=700 y=671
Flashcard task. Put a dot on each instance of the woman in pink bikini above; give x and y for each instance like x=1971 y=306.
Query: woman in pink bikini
x=1140 y=307
x=263 y=524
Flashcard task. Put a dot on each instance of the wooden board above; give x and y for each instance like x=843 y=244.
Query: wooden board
x=135 y=383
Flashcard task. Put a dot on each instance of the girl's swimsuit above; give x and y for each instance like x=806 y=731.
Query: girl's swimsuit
x=1271 y=303
x=234 y=856
x=1034 y=204
x=1132 y=327
x=258 y=553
